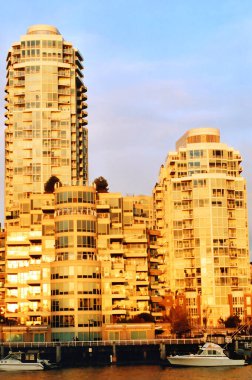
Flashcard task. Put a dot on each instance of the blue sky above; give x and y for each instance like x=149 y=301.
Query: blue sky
x=153 y=69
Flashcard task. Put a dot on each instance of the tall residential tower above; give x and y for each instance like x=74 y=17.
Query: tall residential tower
x=52 y=277
x=201 y=211
x=45 y=120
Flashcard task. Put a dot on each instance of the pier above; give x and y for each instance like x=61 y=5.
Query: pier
x=94 y=353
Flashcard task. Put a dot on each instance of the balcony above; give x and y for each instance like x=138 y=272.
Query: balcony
x=118 y=265
x=118 y=311
x=142 y=268
x=116 y=234
x=84 y=105
x=63 y=100
x=64 y=73
x=35 y=250
x=19 y=83
x=33 y=296
x=116 y=249
x=118 y=294
x=34 y=281
x=140 y=296
x=129 y=253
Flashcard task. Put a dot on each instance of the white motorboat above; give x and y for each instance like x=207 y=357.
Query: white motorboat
x=20 y=361
x=209 y=355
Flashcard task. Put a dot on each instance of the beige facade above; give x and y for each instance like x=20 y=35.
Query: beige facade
x=2 y=274
x=75 y=273
x=53 y=277
x=201 y=211
x=73 y=259
x=46 y=138
x=131 y=331
x=123 y=246
x=45 y=131
x=29 y=253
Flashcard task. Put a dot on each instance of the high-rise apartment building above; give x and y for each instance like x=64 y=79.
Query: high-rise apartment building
x=45 y=120
x=46 y=143
x=201 y=211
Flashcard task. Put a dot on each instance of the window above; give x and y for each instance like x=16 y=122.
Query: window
x=138 y=335
x=114 y=335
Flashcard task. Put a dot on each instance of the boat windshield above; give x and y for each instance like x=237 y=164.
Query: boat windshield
x=200 y=351
x=210 y=352
x=12 y=357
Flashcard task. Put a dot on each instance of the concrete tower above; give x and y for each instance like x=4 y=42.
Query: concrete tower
x=45 y=144
x=45 y=120
x=201 y=211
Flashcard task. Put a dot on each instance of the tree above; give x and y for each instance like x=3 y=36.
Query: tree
x=146 y=317
x=232 y=321
x=50 y=184
x=101 y=185
x=179 y=321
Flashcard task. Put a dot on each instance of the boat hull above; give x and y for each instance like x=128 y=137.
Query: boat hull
x=21 y=367
x=192 y=361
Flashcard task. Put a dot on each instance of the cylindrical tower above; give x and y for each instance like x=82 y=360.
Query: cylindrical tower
x=45 y=120
x=75 y=274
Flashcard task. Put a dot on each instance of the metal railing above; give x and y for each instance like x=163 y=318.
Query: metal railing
x=132 y=342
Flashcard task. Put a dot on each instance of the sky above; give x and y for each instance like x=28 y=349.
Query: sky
x=154 y=69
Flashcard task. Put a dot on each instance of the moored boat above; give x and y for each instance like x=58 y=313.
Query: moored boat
x=20 y=361
x=209 y=355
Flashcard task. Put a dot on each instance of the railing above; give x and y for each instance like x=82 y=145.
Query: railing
x=135 y=342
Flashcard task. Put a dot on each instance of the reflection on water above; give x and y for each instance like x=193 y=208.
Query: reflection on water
x=134 y=373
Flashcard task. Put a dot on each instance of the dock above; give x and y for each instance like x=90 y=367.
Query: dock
x=121 y=352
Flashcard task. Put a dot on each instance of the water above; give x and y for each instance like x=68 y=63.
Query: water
x=134 y=373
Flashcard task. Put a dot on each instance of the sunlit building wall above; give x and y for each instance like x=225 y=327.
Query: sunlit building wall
x=157 y=275
x=201 y=197
x=2 y=274
x=123 y=252
x=45 y=137
x=137 y=219
x=45 y=131
x=75 y=273
x=29 y=253
x=53 y=277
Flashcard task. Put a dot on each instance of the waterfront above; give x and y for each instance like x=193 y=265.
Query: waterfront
x=135 y=372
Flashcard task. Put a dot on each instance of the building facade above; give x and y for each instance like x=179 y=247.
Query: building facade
x=73 y=259
x=45 y=140
x=200 y=208
x=125 y=244
x=45 y=131
x=75 y=273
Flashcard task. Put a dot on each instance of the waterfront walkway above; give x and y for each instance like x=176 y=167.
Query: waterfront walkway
x=135 y=342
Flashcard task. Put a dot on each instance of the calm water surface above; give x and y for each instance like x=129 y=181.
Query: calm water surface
x=135 y=373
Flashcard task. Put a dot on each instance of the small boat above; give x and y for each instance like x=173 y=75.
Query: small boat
x=209 y=355
x=21 y=361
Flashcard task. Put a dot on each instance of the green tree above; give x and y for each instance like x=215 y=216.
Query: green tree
x=101 y=185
